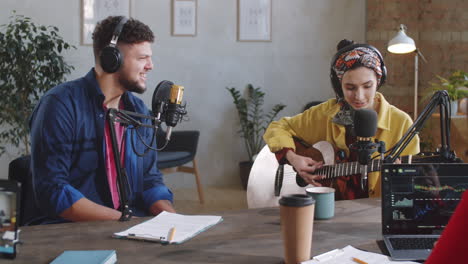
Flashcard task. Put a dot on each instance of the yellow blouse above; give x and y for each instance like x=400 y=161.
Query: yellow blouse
x=315 y=124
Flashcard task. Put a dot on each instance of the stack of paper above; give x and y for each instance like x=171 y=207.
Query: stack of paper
x=170 y=227
x=351 y=255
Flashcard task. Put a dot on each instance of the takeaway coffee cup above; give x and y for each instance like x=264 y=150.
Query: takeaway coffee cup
x=297 y=219
x=324 y=201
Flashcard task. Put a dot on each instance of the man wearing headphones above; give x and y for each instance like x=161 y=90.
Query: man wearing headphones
x=357 y=71
x=72 y=160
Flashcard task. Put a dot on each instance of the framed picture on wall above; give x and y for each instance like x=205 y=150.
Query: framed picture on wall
x=94 y=11
x=184 y=18
x=254 y=20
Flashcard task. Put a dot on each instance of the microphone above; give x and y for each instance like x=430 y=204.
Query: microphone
x=174 y=109
x=166 y=104
x=365 y=126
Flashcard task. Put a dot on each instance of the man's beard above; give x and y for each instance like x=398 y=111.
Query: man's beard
x=131 y=86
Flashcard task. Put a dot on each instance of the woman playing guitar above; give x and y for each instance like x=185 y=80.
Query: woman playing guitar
x=357 y=71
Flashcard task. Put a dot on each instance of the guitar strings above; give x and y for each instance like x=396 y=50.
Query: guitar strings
x=340 y=169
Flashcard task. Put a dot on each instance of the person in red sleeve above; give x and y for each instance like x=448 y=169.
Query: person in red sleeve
x=452 y=246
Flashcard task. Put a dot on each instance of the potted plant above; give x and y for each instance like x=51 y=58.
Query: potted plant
x=456 y=86
x=30 y=64
x=253 y=122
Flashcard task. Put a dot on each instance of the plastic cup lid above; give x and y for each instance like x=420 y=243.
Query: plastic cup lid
x=296 y=200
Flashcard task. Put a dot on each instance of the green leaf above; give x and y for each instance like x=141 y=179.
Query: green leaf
x=252 y=119
x=31 y=63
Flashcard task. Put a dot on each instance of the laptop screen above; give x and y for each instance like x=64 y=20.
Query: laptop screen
x=421 y=198
x=9 y=202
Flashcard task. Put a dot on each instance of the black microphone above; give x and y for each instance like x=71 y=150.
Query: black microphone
x=365 y=126
x=166 y=104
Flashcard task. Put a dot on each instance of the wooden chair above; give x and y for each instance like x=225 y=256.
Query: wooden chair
x=181 y=150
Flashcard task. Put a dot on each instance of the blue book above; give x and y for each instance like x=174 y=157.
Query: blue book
x=86 y=256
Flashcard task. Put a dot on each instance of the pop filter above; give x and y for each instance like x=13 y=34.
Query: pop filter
x=160 y=98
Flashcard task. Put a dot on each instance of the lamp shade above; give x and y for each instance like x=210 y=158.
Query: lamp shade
x=401 y=43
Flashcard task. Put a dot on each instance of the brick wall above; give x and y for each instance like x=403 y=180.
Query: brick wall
x=440 y=30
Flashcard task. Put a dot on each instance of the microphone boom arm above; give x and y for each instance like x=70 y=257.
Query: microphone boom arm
x=441 y=99
x=125 y=118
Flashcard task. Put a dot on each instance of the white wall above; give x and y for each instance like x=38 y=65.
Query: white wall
x=293 y=69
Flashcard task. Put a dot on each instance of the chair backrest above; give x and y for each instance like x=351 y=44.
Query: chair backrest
x=180 y=150
x=19 y=170
x=310 y=104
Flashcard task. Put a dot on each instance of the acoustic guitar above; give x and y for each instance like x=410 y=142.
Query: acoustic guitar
x=268 y=181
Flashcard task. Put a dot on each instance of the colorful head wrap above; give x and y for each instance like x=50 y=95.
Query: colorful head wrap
x=362 y=55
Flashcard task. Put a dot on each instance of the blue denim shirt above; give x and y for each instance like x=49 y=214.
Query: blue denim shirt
x=68 y=150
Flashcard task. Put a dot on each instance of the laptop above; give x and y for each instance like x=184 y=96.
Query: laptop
x=9 y=203
x=417 y=203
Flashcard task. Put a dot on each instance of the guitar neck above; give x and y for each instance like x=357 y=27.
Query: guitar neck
x=348 y=168
x=351 y=168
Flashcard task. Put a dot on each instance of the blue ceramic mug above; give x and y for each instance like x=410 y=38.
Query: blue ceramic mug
x=324 y=201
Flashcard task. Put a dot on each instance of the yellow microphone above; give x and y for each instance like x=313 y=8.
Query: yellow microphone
x=174 y=113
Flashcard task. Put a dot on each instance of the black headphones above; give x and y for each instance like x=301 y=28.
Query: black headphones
x=111 y=58
x=336 y=84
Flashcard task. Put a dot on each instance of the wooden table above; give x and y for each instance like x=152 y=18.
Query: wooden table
x=246 y=236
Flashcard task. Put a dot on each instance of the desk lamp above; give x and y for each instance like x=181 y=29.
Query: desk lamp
x=402 y=44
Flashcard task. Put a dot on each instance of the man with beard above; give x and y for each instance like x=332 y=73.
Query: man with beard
x=73 y=168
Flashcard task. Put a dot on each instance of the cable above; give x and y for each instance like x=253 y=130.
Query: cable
x=148 y=147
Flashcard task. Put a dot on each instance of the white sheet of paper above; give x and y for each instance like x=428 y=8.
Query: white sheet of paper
x=158 y=228
x=346 y=255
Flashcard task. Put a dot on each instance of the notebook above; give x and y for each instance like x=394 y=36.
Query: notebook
x=417 y=203
x=86 y=256
x=170 y=228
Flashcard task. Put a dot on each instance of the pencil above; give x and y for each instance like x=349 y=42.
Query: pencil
x=171 y=234
x=359 y=261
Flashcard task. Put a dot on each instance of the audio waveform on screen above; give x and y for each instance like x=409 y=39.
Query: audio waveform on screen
x=399 y=215
x=441 y=188
x=402 y=202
